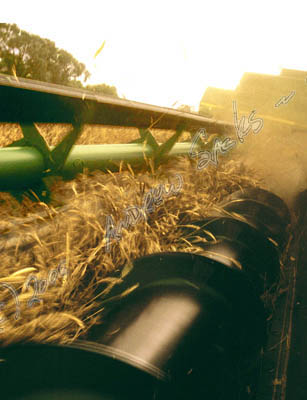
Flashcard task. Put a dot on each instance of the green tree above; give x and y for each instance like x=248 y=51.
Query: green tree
x=104 y=89
x=29 y=56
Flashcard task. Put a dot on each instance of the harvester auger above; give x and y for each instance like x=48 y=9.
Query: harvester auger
x=189 y=324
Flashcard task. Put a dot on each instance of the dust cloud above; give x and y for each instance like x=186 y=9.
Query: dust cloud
x=279 y=158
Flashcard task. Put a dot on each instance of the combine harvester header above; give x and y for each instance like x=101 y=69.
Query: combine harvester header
x=194 y=325
x=26 y=161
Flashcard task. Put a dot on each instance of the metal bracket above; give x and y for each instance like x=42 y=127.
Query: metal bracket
x=54 y=159
x=159 y=151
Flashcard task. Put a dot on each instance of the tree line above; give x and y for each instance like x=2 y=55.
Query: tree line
x=29 y=56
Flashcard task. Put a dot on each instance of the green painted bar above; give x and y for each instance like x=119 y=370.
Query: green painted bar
x=22 y=166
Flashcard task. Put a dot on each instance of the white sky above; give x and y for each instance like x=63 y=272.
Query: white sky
x=160 y=52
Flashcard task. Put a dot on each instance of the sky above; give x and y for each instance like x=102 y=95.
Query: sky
x=168 y=52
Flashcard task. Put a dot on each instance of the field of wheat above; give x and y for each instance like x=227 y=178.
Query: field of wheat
x=36 y=238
